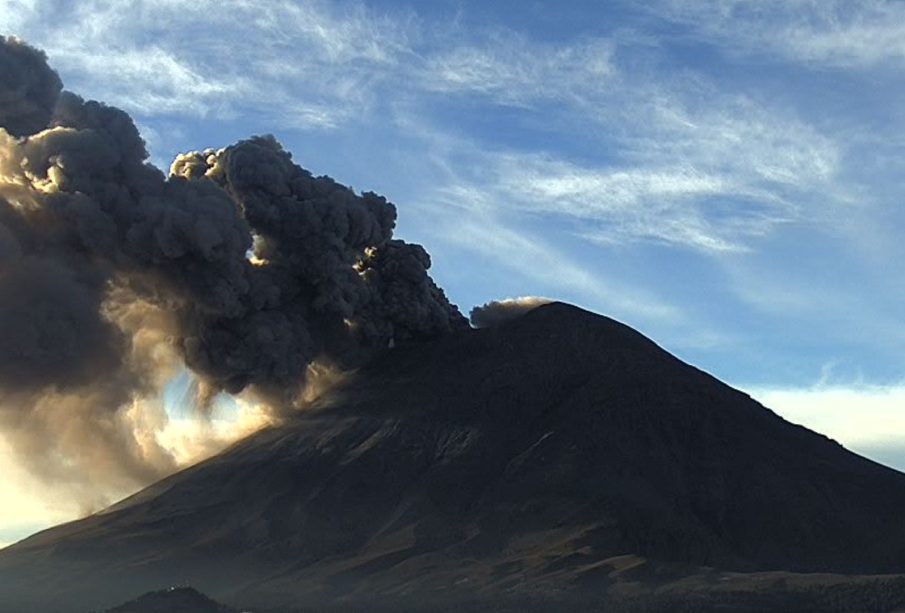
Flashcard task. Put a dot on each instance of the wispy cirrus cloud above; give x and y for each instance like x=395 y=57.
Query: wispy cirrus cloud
x=629 y=204
x=835 y=33
x=309 y=62
x=512 y=70
x=681 y=161
x=700 y=181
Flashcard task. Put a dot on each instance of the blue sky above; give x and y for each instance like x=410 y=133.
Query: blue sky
x=725 y=176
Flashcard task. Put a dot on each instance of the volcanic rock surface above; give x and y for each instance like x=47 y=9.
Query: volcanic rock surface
x=559 y=453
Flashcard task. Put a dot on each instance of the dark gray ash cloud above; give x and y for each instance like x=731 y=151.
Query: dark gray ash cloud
x=28 y=91
x=240 y=264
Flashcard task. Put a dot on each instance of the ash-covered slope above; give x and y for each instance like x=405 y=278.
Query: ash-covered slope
x=533 y=456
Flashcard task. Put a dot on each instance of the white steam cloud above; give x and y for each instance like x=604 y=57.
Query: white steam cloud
x=496 y=312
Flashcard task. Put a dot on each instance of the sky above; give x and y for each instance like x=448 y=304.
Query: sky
x=725 y=176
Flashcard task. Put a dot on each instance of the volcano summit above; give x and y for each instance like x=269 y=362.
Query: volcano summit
x=559 y=453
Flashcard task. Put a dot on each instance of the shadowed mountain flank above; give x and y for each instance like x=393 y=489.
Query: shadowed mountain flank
x=553 y=453
x=172 y=600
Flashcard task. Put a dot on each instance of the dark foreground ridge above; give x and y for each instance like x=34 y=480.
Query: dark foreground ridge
x=558 y=456
x=172 y=600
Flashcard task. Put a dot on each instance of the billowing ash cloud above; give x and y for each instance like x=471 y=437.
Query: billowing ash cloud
x=326 y=275
x=28 y=90
x=240 y=264
x=496 y=312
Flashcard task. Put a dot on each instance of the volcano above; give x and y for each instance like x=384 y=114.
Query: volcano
x=555 y=455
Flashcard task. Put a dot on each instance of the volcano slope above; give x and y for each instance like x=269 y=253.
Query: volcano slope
x=547 y=455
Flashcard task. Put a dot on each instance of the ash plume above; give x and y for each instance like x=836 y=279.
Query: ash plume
x=240 y=265
x=28 y=91
x=496 y=312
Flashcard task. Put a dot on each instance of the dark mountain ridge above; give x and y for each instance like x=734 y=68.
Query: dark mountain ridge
x=556 y=453
x=172 y=600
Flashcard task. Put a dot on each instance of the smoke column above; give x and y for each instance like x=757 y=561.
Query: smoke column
x=497 y=312
x=240 y=265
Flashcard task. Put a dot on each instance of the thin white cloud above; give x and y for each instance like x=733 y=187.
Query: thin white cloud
x=734 y=134
x=711 y=189
x=684 y=162
x=15 y=13
x=152 y=81
x=309 y=61
x=631 y=204
x=835 y=33
x=510 y=69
